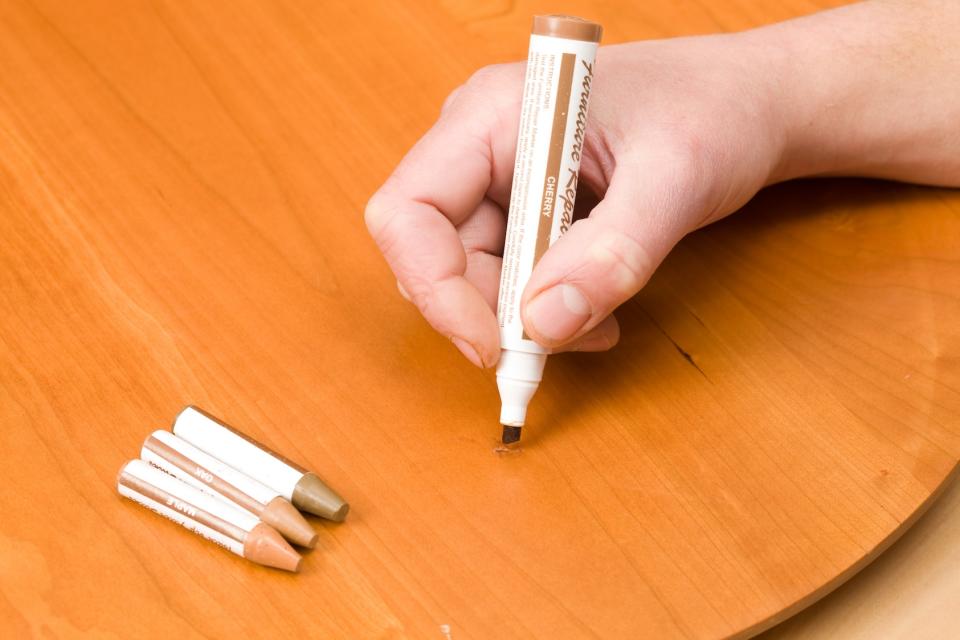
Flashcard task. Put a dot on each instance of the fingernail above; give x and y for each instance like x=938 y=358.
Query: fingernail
x=592 y=342
x=558 y=313
x=467 y=349
x=403 y=292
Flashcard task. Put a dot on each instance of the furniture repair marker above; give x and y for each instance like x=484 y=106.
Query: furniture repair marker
x=553 y=119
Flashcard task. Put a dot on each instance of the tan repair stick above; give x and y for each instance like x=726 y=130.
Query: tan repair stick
x=218 y=521
x=179 y=458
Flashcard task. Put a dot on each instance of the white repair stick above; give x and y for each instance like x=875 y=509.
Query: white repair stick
x=553 y=120
x=303 y=488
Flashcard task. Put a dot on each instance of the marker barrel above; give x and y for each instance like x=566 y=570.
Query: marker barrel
x=220 y=522
x=550 y=143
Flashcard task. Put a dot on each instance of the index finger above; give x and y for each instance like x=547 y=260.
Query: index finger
x=413 y=219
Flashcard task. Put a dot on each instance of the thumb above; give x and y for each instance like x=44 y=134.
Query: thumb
x=603 y=260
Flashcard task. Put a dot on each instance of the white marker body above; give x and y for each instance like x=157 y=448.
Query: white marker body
x=237 y=451
x=205 y=470
x=549 y=148
x=185 y=505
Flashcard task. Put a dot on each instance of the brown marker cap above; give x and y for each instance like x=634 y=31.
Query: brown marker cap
x=570 y=27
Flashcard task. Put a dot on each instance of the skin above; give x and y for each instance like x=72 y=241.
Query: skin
x=681 y=133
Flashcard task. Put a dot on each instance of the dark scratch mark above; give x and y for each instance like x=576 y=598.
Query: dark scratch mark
x=697 y=318
x=687 y=356
x=680 y=350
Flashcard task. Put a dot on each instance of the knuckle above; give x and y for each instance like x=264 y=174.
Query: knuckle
x=451 y=99
x=486 y=77
x=623 y=263
x=421 y=300
x=376 y=213
x=489 y=91
x=495 y=84
x=419 y=291
x=381 y=218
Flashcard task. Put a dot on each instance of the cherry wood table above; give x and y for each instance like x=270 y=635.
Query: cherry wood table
x=181 y=188
x=911 y=591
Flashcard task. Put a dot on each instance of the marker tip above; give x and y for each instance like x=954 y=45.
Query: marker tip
x=510 y=434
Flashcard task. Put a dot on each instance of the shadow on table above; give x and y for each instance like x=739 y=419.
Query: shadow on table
x=775 y=210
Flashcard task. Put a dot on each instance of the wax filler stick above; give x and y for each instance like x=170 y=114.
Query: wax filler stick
x=179 y=458
x=553 y=119
x=218 y=521
x=303 y=488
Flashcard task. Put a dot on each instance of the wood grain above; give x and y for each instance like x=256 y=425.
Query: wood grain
x=180 y=196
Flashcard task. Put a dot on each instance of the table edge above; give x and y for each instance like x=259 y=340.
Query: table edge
x=828 y=587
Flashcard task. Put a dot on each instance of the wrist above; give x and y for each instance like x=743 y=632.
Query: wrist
x=792 y=107
x=864 y=90
x=770 y=69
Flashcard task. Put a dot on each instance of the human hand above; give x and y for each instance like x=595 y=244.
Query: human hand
x=681 y=132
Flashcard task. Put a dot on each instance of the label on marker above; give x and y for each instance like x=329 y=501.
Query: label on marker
x=550 y=143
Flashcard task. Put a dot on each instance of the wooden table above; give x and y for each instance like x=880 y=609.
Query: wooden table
x=911 y=591
x=181 y=187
